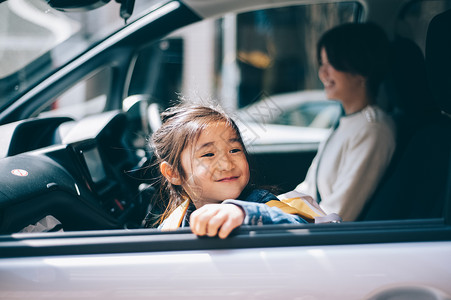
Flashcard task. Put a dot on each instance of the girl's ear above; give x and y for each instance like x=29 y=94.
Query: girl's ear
x=171 y=175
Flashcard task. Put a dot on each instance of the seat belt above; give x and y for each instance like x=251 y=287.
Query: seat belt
x=176 y=217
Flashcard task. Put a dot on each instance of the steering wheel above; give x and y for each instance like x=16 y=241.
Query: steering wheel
x=153 y=116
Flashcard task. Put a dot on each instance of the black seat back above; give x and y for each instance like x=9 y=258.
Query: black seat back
x=438 y=59
x=416 y=183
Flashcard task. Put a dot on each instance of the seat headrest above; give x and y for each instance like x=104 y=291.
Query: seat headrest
x=407 y=80
x=438 y=59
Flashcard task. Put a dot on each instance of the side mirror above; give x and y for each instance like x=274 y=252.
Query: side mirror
x=125 y=12
x=80 y=5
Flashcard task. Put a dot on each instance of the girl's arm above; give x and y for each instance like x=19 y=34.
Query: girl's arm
x=221 y=219
x=259 y=214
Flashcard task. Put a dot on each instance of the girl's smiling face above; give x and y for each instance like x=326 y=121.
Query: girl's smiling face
x=216 y=166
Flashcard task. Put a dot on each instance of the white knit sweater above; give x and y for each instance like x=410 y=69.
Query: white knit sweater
x=352 y=161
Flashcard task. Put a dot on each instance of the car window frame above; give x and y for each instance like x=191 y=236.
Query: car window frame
x=246 y=237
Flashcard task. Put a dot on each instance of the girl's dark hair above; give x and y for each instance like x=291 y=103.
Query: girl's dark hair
x=181 y=127
x=358 y=48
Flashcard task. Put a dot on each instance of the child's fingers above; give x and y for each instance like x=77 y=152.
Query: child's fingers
x=215 y=222
x=199 y=219
x=227 y=228
x=235 y=217
x=226 y=218
x=216 y=219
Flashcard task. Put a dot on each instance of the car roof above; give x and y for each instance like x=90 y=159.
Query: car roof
x=210 y=8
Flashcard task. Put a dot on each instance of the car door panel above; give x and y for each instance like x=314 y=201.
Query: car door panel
x=296 y=261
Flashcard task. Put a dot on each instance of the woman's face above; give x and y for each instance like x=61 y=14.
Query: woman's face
x=216 y=166
x=337 y=84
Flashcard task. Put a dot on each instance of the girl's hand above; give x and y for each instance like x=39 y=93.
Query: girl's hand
x=216 y=219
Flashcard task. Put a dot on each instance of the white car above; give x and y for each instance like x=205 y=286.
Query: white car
x=81 y=85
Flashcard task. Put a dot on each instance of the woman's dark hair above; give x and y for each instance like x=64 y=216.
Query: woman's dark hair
x=358 y=48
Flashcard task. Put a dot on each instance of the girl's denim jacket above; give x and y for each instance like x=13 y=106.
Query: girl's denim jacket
x=256 y=211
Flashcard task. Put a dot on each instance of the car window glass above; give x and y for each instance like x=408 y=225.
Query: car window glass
x=30 y=28
x=87 y=97
x=37 y=39
x=261 y=60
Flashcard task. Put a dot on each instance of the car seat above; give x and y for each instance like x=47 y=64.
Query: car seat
x=417 y=181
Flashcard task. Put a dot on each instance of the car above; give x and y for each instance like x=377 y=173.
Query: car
x=82 y=84
x=308 y=108
x=289 y=121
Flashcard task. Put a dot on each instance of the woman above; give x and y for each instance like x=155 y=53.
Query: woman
x=353 y=60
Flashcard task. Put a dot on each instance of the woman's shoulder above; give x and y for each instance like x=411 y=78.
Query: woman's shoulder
x=371 y=118
x=372 y=126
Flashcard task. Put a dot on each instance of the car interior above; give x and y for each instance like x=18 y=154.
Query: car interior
x=424 y=139
x=97 y=172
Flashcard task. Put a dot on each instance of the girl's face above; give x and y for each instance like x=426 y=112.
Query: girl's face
x=216 y=167
x=337 y=84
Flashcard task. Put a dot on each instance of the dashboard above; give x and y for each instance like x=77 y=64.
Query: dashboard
x=89 y=174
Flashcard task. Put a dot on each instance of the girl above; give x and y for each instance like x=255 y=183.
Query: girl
x=204 y=167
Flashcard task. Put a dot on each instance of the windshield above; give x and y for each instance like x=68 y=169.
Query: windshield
x=37 y=39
